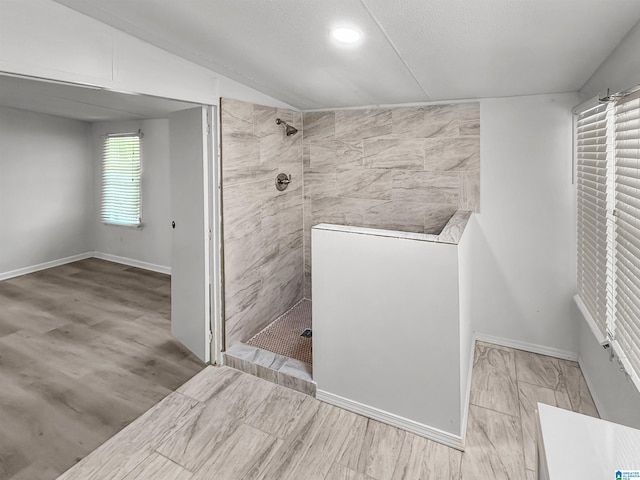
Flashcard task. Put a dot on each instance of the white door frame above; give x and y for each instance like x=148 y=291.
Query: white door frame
x=215 y=237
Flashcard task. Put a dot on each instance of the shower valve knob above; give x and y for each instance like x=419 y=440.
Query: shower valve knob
x=282 y=181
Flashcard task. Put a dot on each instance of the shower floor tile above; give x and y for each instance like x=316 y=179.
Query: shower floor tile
x=283 y=335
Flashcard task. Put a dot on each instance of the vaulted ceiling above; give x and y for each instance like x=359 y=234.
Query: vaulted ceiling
x=411 y=50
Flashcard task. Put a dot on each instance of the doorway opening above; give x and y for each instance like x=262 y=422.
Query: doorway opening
x=87 y=310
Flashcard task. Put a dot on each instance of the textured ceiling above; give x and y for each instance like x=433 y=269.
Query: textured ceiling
x=412 y=50
x=79 y=103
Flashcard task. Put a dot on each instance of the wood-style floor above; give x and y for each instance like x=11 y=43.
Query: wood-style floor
x=85 y=349
x=229 y=425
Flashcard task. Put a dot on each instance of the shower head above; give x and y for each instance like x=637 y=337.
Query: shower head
x=289 y=130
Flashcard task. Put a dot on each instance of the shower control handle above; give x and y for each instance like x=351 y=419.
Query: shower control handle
x=282 y=181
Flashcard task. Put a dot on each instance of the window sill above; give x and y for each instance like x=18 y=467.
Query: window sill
x=133 y=227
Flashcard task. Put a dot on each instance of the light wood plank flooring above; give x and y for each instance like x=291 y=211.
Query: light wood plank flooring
x=85 y=349
x=229 y=425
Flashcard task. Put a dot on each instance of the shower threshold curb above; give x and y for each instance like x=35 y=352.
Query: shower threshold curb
x=273 y=367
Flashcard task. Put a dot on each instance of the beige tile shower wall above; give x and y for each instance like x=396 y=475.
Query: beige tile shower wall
x=397 y=168
x=262 y=227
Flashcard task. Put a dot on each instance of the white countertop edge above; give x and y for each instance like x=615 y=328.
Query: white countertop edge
x=573 y=445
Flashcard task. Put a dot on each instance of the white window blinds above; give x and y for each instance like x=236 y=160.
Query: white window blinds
x=591 y=162
x=608 y=189
x=121 y=170
x=627 y=233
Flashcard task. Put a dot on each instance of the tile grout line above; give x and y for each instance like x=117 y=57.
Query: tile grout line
x=494 y=410
x=192 y=472
x=556 y=362
x=188 y=397
x=540 y=386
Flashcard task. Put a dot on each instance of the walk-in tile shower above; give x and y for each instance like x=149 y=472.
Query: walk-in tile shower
x=405 y=169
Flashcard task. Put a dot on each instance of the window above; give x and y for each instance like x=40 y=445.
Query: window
x=121 y=170
x=591 y=178
x=626 y=204
x=608 y=202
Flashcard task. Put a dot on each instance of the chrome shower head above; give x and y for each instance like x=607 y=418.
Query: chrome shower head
x=289 y=130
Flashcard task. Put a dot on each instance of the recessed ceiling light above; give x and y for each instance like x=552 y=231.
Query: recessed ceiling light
x=345 y=35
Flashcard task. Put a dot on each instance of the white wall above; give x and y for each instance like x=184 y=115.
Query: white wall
x=620 y=70
x=45 y=189
x=152 y=242
x=43 y=38
x=523 y=255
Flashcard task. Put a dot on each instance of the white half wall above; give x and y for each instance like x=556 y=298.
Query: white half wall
x=45 y=189
x=523 y=250
x=151 y=243
x=386 y=330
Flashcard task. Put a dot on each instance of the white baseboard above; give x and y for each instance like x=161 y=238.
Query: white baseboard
x=43 y=266
x=82 y=256
x=528 y=347
x=440 y=436
x=132 y=263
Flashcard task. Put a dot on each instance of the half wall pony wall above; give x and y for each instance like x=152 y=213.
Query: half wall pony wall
x=405 y=168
